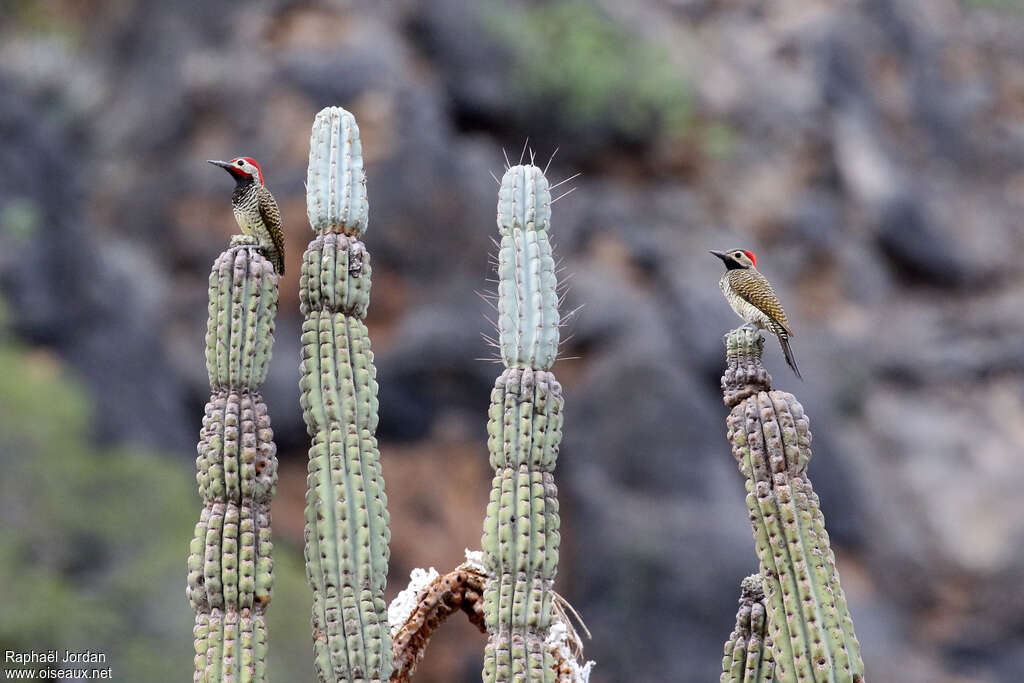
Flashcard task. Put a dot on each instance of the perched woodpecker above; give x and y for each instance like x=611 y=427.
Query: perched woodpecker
x=752 y=298
x=255 y=209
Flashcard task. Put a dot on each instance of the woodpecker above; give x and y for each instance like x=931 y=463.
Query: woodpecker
x=255 y=209
x=752 y=298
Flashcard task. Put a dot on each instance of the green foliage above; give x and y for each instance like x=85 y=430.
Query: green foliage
x=38 y=16
x=90 y=548
x=595 y=71
x=1010 y=5
x=19 y=220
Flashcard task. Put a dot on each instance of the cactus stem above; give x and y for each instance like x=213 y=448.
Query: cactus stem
x=812 y=632
x=347 y=533
x=230 y=569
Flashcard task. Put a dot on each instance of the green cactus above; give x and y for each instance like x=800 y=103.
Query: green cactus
x=810 y=625
x=347 y=533
x=748 y=652
x=520 y=538
x=230 y=569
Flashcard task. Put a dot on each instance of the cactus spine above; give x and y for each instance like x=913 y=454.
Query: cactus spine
x=811 y=628
x=520 y=538
x=230 y=570
x=748 y=652
x=347 y=532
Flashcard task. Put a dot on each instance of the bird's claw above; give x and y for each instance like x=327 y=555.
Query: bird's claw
x=244 y=241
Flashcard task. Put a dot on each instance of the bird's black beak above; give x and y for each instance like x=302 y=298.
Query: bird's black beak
x=223 y=164
x=720 y=254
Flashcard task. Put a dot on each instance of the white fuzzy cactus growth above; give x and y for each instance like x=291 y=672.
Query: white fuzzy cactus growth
x=527 y=300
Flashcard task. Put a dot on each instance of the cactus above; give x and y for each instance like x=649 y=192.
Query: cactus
x=810 y=625
x=748 y=652
x=520 y=537
x=230 y=570
x=347 y=532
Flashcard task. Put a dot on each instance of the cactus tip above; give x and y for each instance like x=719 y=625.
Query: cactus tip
x=336 y=181
x=524 y=200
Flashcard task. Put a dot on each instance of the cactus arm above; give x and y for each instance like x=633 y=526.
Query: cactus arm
x=347 y=532
x=230 y=570
x=748 y=651
x=812 y=631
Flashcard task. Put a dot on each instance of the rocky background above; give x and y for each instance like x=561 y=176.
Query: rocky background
x=871 y=153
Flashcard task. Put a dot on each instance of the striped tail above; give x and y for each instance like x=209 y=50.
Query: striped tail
x=788 y=352
x=274 y=256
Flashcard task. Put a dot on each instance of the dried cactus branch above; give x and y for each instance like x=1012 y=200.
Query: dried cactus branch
x=431 y=598
x=230 y=570
x=459 y=590
x=810 y=624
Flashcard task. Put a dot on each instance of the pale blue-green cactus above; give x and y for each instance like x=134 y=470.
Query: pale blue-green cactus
x=347 y=533
x=808 y=619
x=335 y=180
x=528 y=319
x=230 y=570
x=521 y=537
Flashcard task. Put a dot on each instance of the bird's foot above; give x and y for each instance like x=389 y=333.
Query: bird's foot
x=244 y=241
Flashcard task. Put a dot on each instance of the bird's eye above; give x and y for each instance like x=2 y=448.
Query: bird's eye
x=738 y=255
x=239 y=162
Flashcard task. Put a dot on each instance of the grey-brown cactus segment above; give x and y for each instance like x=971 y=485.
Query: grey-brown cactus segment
x=521 y=531
x=748 y=651
x=810 y=625
x=230 y=568
x=744 y=374
x=347 y=535
x=335 y=180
